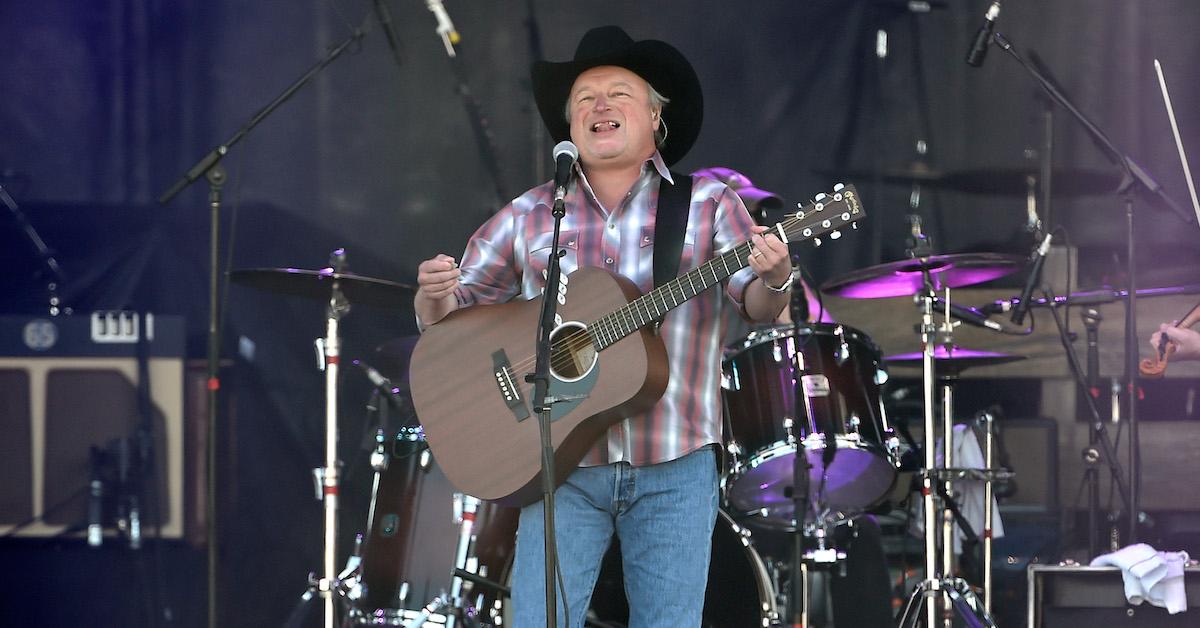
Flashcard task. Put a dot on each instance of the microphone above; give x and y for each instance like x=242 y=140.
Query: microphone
x=983 y=36
x=565 y=155
x=967 y=315
x=385 y=20
x=382 y=383
x=445 y=27
x=1035 y=273
x=1091 y=320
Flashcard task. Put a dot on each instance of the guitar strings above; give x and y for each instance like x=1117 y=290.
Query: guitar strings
x=580 y=339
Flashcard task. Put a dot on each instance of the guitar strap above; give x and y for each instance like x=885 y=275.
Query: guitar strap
x=670 y=223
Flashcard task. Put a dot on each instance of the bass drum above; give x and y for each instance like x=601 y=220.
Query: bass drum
x=838 y=419
x=408 y=553
x=740 y=593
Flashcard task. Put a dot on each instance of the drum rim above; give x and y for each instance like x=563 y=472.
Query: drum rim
x=770 y=333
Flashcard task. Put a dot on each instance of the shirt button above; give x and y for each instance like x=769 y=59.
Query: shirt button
x=611 y=227
x=608 y=260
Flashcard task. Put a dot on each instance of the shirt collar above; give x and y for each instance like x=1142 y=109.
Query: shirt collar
x=655 y=161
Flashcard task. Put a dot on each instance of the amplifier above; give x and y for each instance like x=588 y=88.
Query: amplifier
x=1072 y=596
x=69 y=384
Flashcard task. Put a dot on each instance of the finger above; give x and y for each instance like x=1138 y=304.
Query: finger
x=437 y=263
x=440 y=288
x=438 y=294
x=433 y=278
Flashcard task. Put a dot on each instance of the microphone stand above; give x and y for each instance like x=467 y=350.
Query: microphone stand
x=1134 y=176
x=44 y=254
x=798 y=596
x=1097 y=436
x=484 y=139
x=211 y=168
x=542 y=402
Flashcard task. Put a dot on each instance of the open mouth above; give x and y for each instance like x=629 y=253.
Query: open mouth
x=605 y=126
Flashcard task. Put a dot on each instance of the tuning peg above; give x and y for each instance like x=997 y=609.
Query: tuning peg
x=854 y=225
x=819 y=197
x=835 y=234
x=839 y=187
x=817 y=242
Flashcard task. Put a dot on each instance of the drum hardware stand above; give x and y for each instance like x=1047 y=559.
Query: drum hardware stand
x=327 y=478
x=988 y=421
x=451 y=604
x=938 y=583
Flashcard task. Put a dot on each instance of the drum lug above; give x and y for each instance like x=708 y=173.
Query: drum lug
x=893 y=447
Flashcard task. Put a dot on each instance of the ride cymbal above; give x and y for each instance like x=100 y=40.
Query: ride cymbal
x=905 y=277
x=316 y=285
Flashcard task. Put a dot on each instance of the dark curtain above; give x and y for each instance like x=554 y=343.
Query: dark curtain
x=104 y=104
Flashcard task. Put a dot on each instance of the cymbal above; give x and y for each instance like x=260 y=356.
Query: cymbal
x=904 y=277
x=956 y=358
x=316 y=285
x=1008 y=181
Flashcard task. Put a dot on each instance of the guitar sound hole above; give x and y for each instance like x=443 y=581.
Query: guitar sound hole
x=571 y=352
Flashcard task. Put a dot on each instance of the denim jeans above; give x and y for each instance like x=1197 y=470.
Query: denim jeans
x=663 y=515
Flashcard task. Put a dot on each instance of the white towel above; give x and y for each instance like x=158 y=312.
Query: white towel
x=1150 y=576
x=968 y=495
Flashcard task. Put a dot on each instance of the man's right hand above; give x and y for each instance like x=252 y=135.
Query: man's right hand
x=437 y=278
x=1187 y=342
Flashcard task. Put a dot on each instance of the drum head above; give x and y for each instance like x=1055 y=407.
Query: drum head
x=859 y=476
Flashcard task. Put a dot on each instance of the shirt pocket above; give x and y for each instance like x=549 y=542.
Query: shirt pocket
x=686 y=254
x=539 y=253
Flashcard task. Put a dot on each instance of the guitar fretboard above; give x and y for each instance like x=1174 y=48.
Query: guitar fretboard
x=818 y=218
x=655 y=304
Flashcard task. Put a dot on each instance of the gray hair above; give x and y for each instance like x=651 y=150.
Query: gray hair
x=657 y=101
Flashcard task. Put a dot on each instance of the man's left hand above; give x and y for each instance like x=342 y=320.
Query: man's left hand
x=769 y=257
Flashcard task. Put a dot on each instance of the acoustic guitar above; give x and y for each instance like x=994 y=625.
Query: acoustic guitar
x=468 y=370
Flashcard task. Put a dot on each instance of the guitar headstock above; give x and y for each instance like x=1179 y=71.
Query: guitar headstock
x=827 y=213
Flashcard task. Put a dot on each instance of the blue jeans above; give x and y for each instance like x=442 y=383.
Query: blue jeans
x=663 y=515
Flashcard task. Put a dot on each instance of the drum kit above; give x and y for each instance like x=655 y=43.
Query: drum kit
x=807 y=388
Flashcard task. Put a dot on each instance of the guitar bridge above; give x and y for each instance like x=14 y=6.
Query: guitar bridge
x=502 y=370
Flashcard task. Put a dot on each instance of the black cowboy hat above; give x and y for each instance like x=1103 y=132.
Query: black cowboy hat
x=664 y=67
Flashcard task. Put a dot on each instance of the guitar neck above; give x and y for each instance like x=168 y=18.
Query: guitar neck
x=826 y=214
x=654 y=305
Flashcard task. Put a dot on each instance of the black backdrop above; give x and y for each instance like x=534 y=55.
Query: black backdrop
x=105 y=103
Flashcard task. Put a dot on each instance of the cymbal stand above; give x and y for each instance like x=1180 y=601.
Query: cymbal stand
x=451 y=604
x=327 y=478
x=989 y=461
x=938 y=583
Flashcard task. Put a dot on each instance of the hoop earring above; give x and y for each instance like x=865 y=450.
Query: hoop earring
x=663 y=123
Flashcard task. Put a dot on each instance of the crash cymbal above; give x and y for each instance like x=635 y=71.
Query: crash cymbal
x=904 y=277
x=1006 y=181
x=316 y=284
x=955 y=358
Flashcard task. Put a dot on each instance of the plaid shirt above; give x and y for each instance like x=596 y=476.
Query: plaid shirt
x=505 y=258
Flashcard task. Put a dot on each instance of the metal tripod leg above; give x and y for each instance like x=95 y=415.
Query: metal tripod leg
x=962 y=602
